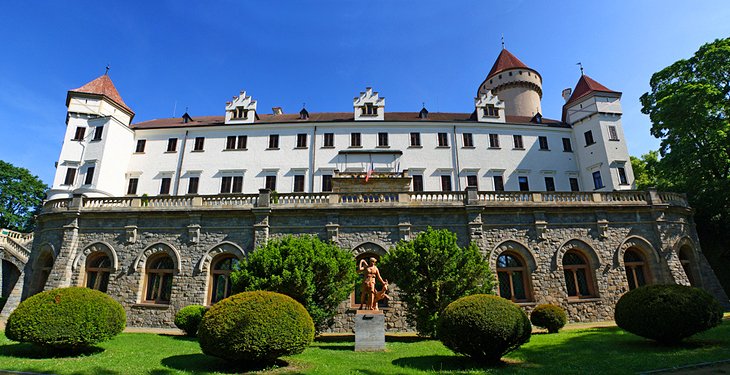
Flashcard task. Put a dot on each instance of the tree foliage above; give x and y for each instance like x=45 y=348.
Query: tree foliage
x=689 y=104
x=431 y=271
x=647 y=172
x=21 y=195
x=316 y=274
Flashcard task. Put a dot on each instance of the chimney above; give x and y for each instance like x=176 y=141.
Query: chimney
x=566 y=94
x=277 y=111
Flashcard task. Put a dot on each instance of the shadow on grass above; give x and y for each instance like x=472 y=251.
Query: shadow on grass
x=335 y=338
x=444 y=363
x=405 y=339
x=30 y=351
x=179 y=337
x=198 y=363
x=342 y=348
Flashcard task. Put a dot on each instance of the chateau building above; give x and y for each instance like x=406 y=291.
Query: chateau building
x=156 y=213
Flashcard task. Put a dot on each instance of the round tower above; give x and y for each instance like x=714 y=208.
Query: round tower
x=516 y=84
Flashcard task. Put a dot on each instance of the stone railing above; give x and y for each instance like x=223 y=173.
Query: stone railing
x=343 y=199
x=16 y=243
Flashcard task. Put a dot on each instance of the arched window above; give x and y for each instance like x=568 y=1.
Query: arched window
x=41 y=271
x=512 y=276
x=159 y=279
x=685 y=258
x=98 y=270
x=220 y=273
x=578 y=280
x=636 y=270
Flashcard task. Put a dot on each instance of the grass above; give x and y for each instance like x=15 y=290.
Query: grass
x=595 y=350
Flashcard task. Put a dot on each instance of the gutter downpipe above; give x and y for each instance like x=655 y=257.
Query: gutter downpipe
x=180 y=163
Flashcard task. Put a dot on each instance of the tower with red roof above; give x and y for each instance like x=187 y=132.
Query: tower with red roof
x=516 y=84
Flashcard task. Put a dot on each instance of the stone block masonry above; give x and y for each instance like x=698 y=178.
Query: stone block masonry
x=537 y=228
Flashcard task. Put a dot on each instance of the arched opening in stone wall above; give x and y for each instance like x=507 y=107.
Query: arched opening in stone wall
x=579 y=278
x=637 y=270
x=513 y=277
x=158 y=281
x=10 y=276
x=687 y=260
x=98 y=271
x=41 y=270
x=220 y=277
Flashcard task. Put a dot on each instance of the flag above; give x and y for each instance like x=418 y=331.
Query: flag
x=370 y=172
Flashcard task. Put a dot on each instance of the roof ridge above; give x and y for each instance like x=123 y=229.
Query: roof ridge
x=103 y=85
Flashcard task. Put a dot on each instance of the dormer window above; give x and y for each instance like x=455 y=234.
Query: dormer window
x=240 y=113
x=369 y=106
x=369 y=110
x=241 y=110
x=491 y=111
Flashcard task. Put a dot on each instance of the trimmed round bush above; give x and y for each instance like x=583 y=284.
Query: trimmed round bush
x=255 y=327
x=188 y=319
x=550 y=317
x=483 y=327
x=667 y=313
x=67 y=319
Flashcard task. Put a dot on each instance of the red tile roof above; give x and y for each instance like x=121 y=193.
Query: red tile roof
x=328 y=117
x=103 y=86
x=505 y=61
x=584 y=87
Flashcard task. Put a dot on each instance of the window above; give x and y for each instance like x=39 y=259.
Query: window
x=329 y=139
x=578 y=281
x=382 y=139
x=415 y=139
x=622 y=176
x=543 y=142
x=597 y=181
x=273 y=141
x=369 y=110
x=512 y=277
x=199 y=144
x=491 y=111
x=549 y=184
x=140 y=145
x=172 y=145
x=240 y=113
x=685 y=259
x=165 y=186
x=270 y=183
x=79 y=135
x=298 y=183
x=355 y=140
x=231 y=184
x=98 y=270
x=132 y=186
x=612 y=134
x=159 y=279
x=567 y=146
x=230 y=142
x=301 y=140
x=220 y=279
x=70 y=176
x=326 y=182
x=417 y=182
x=524 y=184
x=193 y=185
x=89 y=176
x=589 y=138
x=498 y=183
x=574 y=184
x=236 y=142
x=443 y=139
x=471 y=181
x=518 y=142
x=635 y=268
x=468 y=140
x=445 y=183
x=493 y=141
x=241 y=142
x=97 y=133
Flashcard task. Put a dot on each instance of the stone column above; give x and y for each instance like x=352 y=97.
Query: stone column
x=476 y=227
x=60 y=276
x=261 y=226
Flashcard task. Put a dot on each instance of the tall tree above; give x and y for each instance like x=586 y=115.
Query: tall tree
x=647 y=172
x=21 y=195
x=689 y=104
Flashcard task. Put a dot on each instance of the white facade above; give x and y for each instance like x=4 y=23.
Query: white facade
x=166 y=156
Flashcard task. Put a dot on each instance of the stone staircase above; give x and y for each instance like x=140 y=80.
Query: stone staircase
x=14 y=248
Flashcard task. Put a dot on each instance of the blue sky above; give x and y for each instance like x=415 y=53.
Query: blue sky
x=198 y=54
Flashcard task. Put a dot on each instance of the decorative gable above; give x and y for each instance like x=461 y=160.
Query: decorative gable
x=489 y=108
x=242 y=110
x=369 y=106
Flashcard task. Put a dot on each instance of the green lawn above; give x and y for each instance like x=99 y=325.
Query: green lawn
x=596 y=350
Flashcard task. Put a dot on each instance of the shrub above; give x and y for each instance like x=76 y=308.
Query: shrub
x=667 y=313
x=483 y=327
x=432 y=271
x=256 y=327
x=316 y=274
x=550 y=317
x=188 y=319
x=67 y=318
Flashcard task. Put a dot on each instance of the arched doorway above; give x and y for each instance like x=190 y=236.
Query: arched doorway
x=687 y=260
x=41 y=270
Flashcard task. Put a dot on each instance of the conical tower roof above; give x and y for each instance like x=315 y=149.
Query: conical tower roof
x=585 y=86
x=505 y=61
x=103 y=86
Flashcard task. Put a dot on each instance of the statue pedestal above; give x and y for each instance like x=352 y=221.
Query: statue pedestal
x=369 y=331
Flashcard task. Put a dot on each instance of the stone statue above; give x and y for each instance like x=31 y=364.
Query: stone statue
x=370 y=296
